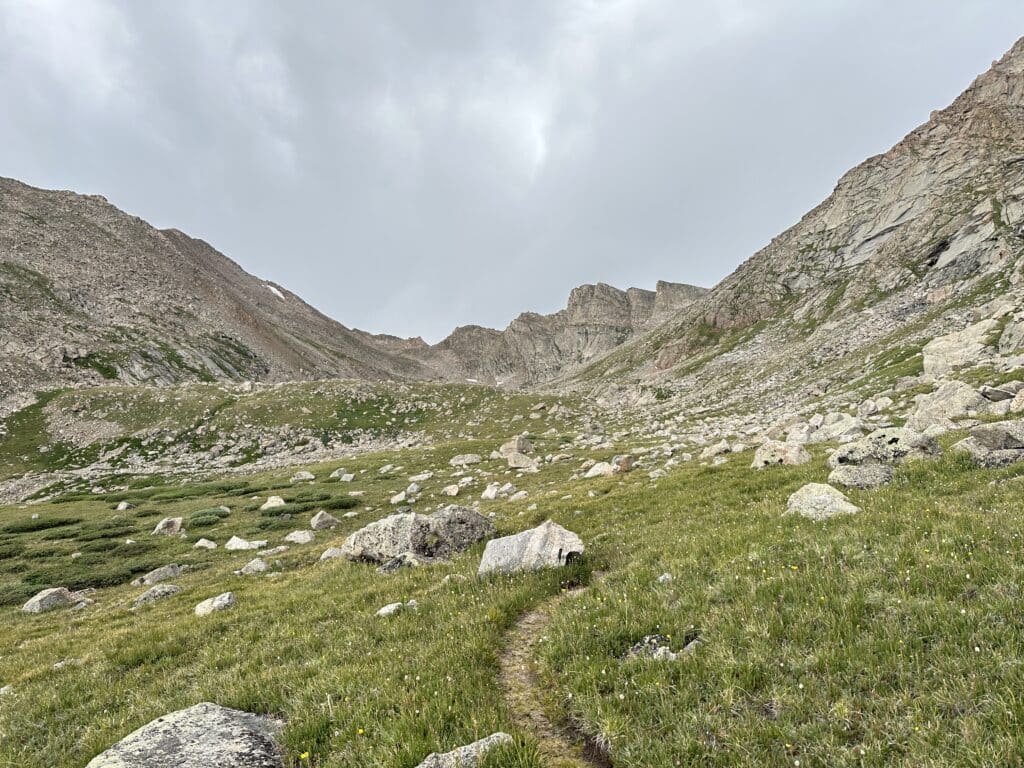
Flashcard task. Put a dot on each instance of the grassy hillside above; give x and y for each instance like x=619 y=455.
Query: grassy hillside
x=886 y=638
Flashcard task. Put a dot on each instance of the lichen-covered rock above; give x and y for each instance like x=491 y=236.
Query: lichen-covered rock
x=995 y=445
x=549 y=545
x=468 y=756
x=219 y=603
x=862 y=476
x=892 y=445
x=440 y=535
x=817 y=501
x=48 y=600
x=154 y=593
x=774 y=453
x=202 y=736
x=157 y=575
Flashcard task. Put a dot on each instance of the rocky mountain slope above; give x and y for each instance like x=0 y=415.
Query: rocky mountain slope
x=918 y=242
x=91 y=294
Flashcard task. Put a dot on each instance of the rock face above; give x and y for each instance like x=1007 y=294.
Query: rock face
x=536 y=348
x=201 y=736
x=440 y=535
x=468 y=756
x=817 y=501
x=48 y=600
x=549 y=545
x=944 y=354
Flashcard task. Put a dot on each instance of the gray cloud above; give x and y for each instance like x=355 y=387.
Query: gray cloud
x=411 y=166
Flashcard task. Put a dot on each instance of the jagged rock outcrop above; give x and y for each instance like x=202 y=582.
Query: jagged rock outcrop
x=540 y=348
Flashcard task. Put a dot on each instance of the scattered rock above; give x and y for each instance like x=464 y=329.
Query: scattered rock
x=601 y=469
x=322 y=521
x=201 y=736
x=469 y=756
x=157 y=575
x=518 y=444
x=464 y=459
x=451 y=490
x=204 y=544
x=219 y=603
x=169 y=526
x=440 y=535
x=774 y=453
x=124 y=506
x=303 y=477
x=863 y=476
x=237 y=543
x=274 y=502
x=158 y=592
x=390 y=610
x=48 y=600
x=995 y=445
x=954 y=350
x=549 y=545
x=818 y=501
x=254 y=566
x=300 y=537
x=892 y=445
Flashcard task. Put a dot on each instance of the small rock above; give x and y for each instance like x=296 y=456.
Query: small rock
x=236 y=543
x=219 y=603
x=469 y=756
x=322 y=521
x=158 y=592
x=300 y=537
x=204 y=544
x=817 y=501
x=254 y=566
x=303 y=477
x=48 y=600
x=169 y=526
x=274 y=502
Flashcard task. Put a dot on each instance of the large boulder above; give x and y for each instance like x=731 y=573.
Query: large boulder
x=169 y=526
x=774 y=453
x=48 y=600
x=468 y=756
x=861 y=476
x=954 y=350
x=817 y=501
x=518 y=444
x=892 y=445
x=938 y=410
x=201 y=736
x=549 y=545
x=995 y=445
x=440 y=535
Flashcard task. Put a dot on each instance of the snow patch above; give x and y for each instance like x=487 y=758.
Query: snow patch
x=274 y=291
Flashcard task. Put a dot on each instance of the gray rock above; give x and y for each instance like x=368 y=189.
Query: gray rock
x=274 y=502
x=774 y=453
x=390 y=610
x=952 y=400
x=204 y=544
x=600 y=469
x=464 y=459
x=322 y=521
x=169 y=526
x=468 y=756
x=300 y=537
x=440 y=535
x=549 y=545
x=124 y=506
x=303 y=477
x=995 y=445
x=203 y=736
x=254 y=566
x=158 y=592
x=237 y=543
x=48 y=600
x=219 y=603
x=817 y=501
x=863 y=477
x=332 y=553
x=157 y=575
x=520 y=461
x=954 y=350
x=892 y=445
x=518 y=444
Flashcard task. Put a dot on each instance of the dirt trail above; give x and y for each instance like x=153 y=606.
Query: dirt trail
x=561 y=746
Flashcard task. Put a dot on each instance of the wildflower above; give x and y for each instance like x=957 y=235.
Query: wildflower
x=304 y=756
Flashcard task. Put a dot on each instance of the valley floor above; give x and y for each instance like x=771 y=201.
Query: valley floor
x=891 y=637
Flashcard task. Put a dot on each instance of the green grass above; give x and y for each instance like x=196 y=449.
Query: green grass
x=850 y=642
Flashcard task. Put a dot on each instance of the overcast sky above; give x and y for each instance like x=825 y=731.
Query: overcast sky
x=410 y=165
